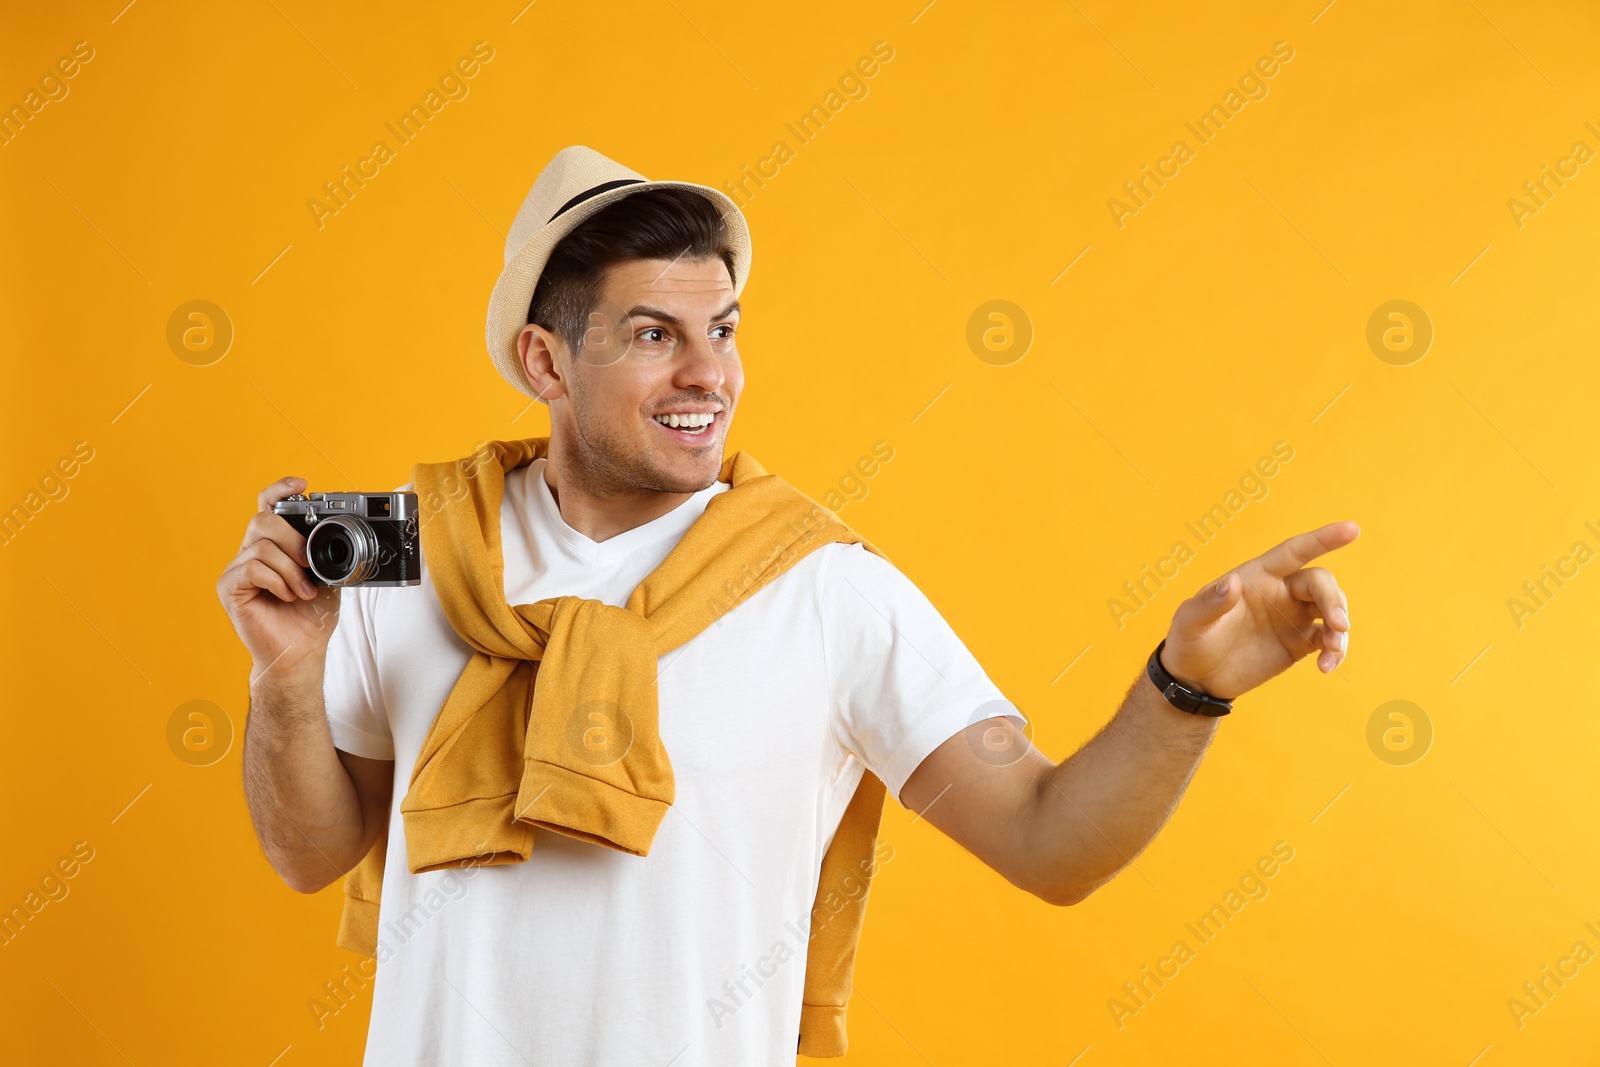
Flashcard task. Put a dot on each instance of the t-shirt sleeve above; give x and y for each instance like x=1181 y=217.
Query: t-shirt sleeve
x=357 y=718
x=901 y=682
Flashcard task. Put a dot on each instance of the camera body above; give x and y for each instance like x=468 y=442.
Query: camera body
x=357 y=538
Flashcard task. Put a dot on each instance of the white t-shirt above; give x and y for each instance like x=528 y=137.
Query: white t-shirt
x=584 y=956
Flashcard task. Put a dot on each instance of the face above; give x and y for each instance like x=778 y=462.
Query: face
x=660 y=343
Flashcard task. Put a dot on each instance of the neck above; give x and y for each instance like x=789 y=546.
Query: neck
x=598 y=506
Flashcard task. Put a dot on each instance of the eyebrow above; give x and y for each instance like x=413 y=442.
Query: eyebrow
x=646 y=311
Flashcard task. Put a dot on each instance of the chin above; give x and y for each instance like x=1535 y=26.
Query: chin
x=691 y=474
x=682 y=468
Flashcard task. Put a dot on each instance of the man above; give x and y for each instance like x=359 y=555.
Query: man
x=618 y=308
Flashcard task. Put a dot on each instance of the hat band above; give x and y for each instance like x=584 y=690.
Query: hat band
x=589 y=193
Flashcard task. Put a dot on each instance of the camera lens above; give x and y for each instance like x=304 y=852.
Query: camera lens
x=343 y=550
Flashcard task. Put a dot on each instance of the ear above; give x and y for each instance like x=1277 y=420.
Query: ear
x=536 y=348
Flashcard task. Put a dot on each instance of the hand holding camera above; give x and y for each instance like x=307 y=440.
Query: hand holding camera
x=302 y=550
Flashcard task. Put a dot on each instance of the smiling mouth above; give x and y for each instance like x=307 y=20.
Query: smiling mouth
x=691 y=428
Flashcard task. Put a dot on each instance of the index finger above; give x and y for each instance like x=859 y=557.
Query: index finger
x=277 y=491
x=1283 y=560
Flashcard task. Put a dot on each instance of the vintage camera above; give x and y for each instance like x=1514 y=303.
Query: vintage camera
x=357 y=538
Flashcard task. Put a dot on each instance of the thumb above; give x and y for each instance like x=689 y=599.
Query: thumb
x=1217 y=597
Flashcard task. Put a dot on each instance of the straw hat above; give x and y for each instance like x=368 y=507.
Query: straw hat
x=576 y=183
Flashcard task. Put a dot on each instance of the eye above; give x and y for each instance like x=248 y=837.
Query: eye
x=644 y=334
x=729 y=327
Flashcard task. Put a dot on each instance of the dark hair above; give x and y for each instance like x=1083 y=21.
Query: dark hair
x=653 y=224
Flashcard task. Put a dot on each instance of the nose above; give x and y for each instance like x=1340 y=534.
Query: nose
x=700 y=367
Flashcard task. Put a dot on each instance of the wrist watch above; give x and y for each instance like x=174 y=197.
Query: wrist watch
x=1180 y=696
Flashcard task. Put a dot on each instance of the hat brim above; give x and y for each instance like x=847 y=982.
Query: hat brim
x=513 y=290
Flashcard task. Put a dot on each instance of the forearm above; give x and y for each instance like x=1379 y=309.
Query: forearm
x=305 y=808
x=1099 y=808
x=1061 y=831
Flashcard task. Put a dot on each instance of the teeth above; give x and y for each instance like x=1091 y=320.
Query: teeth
x=688 y=420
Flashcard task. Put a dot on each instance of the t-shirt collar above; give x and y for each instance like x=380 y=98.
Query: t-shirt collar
x=670 y=526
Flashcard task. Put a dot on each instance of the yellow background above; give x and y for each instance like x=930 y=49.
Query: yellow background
x=1226 y=315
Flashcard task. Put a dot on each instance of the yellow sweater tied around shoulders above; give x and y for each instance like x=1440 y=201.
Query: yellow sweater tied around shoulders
x=553 y=722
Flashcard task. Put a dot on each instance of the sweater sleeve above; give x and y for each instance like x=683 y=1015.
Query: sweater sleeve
x=901 y=682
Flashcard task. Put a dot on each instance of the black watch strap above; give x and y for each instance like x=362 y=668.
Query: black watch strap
x=1180 y=696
